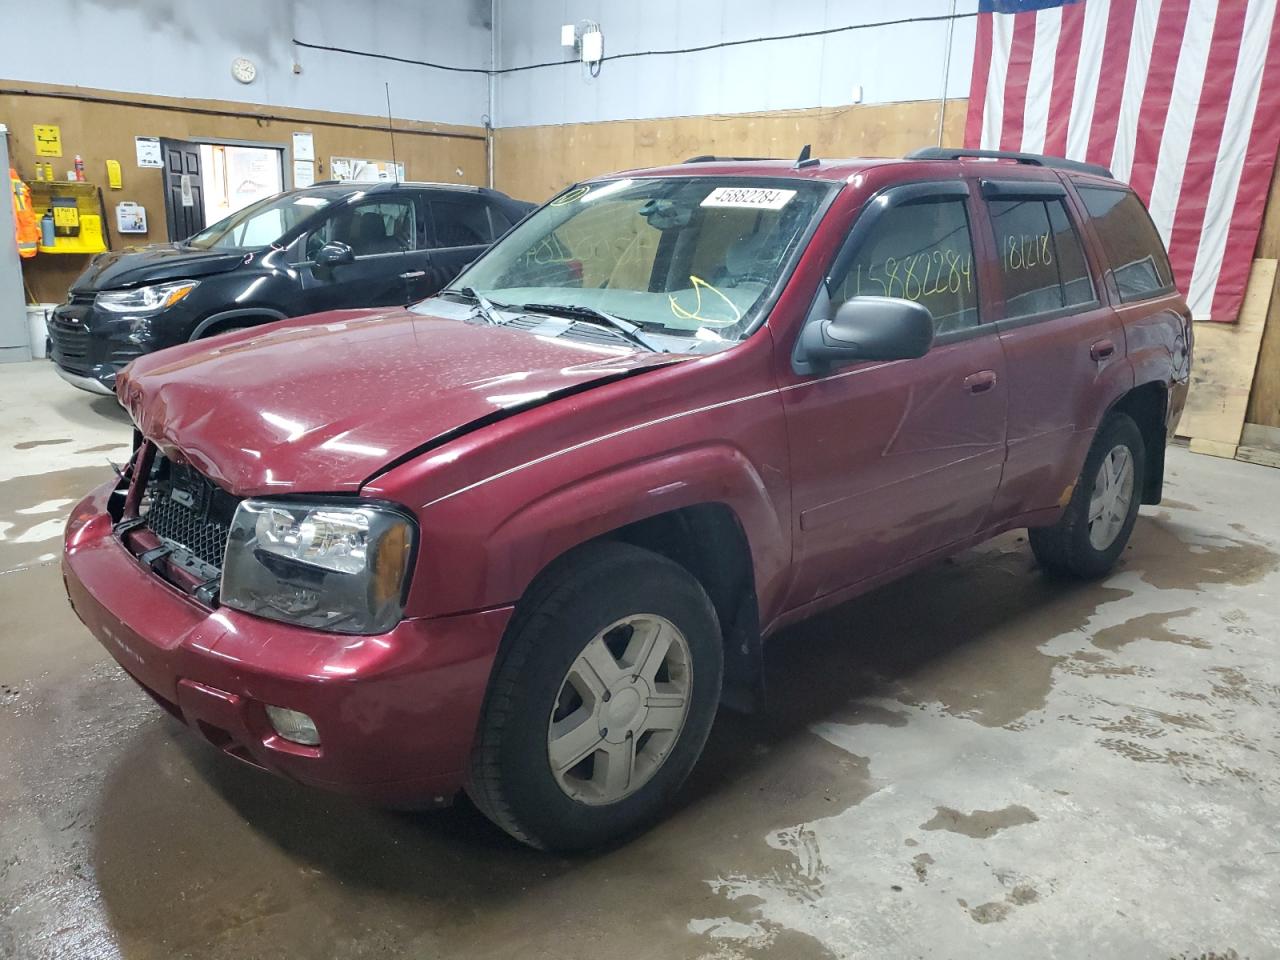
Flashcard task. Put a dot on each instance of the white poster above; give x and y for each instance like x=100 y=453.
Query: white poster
x=148 y=152
x=365 y=171
x=303 y=147
x=304 y=173
x=188 y=196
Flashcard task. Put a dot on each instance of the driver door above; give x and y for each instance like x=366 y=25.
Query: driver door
x=893 y=460
x=384 y=232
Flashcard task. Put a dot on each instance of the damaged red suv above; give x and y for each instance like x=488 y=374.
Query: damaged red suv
x=525 y=537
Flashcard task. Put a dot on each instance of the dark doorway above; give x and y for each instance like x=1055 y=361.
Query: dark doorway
x=183 y=190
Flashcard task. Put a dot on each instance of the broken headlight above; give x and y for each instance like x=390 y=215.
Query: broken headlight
x=340 y=567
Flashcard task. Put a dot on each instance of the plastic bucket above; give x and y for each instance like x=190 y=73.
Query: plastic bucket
x=38 y=327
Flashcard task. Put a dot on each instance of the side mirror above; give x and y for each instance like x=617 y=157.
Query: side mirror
x=867 y=328
x=333 y=253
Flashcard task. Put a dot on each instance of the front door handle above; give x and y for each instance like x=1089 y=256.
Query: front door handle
x=980 y=382
x=413 y=274
x=1102 y=349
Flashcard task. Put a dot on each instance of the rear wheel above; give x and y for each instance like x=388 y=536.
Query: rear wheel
x=601 y=702
x=1088 y=539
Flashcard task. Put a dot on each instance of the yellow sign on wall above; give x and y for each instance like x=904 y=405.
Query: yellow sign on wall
x=48 y=140
x=114 y=180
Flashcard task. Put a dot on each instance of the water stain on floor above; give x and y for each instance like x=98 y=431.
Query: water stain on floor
x=1148 y=626
x=32 y=444
x=981 y=823
x=27 y=537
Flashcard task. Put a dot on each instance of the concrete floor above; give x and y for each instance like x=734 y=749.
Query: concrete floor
x=973 y=762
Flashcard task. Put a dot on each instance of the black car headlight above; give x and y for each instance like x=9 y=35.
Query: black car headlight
x=340 y=567
x=151 y=299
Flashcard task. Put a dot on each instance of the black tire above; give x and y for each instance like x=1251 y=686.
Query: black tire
x=511 y=779
x=1065 y=548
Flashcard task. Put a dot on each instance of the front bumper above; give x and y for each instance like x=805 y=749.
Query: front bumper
x=396 y=713
x=91 y=384
x=90 y=346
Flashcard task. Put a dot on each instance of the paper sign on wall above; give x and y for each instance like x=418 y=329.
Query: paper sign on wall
x=303 y=147
x=365 y=171
x=304 y=173
x=185 y=186
x=131 y=218
x=48 y=140
x=149 y=152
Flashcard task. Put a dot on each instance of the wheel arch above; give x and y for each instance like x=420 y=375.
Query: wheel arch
x=214 y=323
x=708 y=541
x=1147 y=404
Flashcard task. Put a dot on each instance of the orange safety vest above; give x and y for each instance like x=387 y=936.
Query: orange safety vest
x=28 y=228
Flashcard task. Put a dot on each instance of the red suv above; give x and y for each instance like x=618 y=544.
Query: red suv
x=523 y=538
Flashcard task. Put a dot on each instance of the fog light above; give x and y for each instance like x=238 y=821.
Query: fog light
x=294 y=726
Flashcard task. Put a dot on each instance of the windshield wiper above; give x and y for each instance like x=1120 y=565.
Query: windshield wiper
x=484 y=306
x=631 y=332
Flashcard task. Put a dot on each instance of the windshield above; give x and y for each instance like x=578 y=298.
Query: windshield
x=259 y=224
x=693 y=257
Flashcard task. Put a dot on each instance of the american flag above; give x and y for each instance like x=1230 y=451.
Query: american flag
x=1181 y=98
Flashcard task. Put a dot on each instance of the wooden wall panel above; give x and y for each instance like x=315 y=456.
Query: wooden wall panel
x=532 y=163
x=1264 y=399
x=99 y=130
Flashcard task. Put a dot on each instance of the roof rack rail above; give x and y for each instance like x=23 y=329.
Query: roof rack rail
x=1034 y=159
x=710 y=158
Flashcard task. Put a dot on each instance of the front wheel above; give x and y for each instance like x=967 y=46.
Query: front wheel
x=601 y=701
x=1088 y=539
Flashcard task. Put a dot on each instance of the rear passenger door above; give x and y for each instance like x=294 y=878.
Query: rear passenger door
x=1064 y=345
x=894 y=460
x=463 y=227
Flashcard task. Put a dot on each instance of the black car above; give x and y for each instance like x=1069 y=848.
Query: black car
x=333 y=245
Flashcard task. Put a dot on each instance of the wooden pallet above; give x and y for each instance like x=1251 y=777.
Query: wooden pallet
x=1226 y=356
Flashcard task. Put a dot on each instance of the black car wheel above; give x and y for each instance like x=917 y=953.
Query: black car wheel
x=601 y=701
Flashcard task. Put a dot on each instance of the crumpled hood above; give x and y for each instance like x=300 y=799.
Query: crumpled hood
x=142 y=265
x=323 y=403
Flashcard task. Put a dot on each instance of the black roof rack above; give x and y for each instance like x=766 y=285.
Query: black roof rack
x=710 y=158
x=1034 y=159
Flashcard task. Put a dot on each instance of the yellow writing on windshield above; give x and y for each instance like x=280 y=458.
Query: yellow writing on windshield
x=696 y=313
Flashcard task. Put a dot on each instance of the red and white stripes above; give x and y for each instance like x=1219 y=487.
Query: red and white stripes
x=1181 y=98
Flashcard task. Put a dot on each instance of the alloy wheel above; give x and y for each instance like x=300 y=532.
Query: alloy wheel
x=1112 y=494
x=620 y=709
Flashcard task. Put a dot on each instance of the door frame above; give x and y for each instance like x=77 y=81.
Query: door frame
x=286 y=173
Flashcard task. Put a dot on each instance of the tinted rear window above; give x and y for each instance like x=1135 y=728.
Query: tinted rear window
x=1137 y=256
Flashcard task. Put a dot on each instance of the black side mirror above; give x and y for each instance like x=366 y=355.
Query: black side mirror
x=867 y=328
x=334 y=253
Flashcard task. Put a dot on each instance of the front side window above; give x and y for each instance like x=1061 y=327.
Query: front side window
x=259 y=224
x=374 y=227
x=1133 y=246
x=923 y=252
x=688 y=256
x=1041 y=260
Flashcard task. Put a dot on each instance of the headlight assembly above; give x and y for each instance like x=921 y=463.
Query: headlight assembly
x=340 y=567
x=152 y=299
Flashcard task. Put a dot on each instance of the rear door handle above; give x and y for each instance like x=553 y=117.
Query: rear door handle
x=980 y=382
x=1102 y=349
x=413 y=275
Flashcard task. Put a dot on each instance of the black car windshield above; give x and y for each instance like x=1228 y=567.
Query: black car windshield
x=688 y=256
x=259 y=224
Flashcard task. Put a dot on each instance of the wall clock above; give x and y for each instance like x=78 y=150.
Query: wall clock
x=243 y=69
